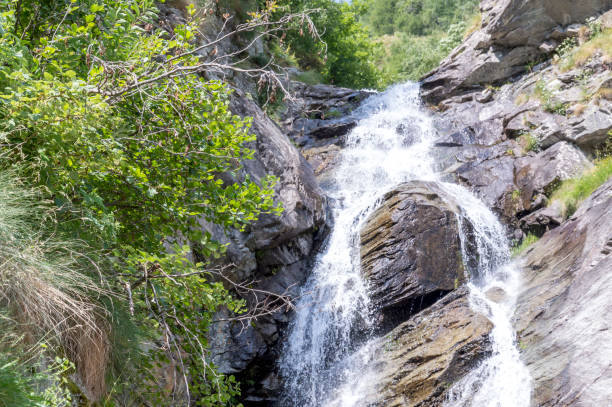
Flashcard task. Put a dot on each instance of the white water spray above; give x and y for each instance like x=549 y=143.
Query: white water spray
x=326 y=358
x=502 y=380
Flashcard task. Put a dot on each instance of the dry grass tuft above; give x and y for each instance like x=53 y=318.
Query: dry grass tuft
x=578 y=109
x=474 y=25
x=599 y=44
x=43 y=286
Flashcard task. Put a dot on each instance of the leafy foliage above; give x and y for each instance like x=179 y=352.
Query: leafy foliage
x=18 y=388
x=105 y=111
x=415 y=35
x=416 y=17
x=345 y=56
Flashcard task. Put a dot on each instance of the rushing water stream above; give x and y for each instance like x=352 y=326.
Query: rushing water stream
x=326 y=358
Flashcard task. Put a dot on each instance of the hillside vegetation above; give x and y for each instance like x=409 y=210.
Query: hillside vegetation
x=413 y=36
x=110 y=148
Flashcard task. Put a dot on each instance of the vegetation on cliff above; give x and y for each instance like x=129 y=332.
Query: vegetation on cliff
x=112 y=151
x=573 y=191
x=345 y=55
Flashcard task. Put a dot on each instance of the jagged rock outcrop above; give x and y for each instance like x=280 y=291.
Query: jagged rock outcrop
x=563 y=313
x=512 y=144
x=420 y=360
x=537 y=176
x=411 y=250
x=318 y=119
x=513 y=33
x=275 y=251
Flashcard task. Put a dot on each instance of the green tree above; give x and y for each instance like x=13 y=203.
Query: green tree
x=107 y=112
x=345 y=54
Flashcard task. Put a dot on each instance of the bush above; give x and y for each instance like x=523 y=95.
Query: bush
x=415 y=36
x=345 y=58
x=129 y=148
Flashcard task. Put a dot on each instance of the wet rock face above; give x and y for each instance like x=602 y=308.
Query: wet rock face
x=411 y=250
x=513 y=33
x=275 y=252
x=563 y=313
x=422 y=358
x=317 y=121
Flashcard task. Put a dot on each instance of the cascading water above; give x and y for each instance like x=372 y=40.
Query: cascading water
x=381 y=152
x=325 y=360
x=502 y=380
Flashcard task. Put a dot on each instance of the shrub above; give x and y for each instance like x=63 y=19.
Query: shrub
x=416 y=35
x=127 y=148
x=345 y=56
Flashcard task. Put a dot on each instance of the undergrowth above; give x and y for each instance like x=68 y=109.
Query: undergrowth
x=46 y=297
x=525 y=243
x=573 y=191
x=599 y=42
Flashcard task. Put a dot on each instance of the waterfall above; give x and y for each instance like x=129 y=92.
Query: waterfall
x=325 y=361
x=502 y=380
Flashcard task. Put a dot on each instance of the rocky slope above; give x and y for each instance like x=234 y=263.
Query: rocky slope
x=514 y=143
x=563 y=314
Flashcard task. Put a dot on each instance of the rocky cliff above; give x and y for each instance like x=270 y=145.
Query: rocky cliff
x=513 y=122
x=562 y=318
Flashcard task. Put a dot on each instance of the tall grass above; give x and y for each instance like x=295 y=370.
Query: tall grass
x=573 y=191
x=44 y=285
x=525 y=243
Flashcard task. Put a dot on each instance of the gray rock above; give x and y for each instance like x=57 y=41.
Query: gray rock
x=542 y=220
x=488 y=172
x=317 y=120
x=320 y=112
x=411 y=250
x=275 y=252
x=562 y=316
x=592 y=127
x=511 y=35
x=421 y=359
x=540 y=174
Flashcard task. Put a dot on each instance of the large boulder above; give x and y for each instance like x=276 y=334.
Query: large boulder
x=419 y=361
x=411 y=250
x=563 y=312
x=513 y=33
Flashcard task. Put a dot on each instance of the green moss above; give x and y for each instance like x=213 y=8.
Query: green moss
x=525 y=243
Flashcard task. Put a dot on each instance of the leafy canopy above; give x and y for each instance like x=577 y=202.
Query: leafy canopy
x=108 y=113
